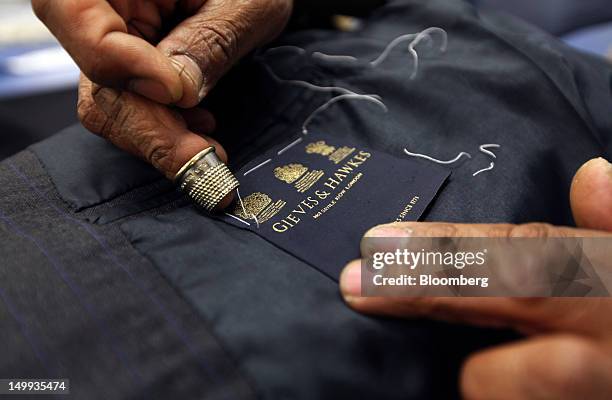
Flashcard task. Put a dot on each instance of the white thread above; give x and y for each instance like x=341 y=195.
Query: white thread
x=485 y=169
x=295 y=143
x=484 y=148
x=426 y=157
x=421 y=36
x=394 y=43
x=415 y=40
x=257 y=167
x=256 y=220
x=244 y=208
x=368 y=97
x=307 y=85
x=241 y=203
x=346 y=94
x=238 y=219
x=331 y=57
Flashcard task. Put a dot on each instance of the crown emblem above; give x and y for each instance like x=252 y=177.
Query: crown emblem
x=320 y=148
x=336 y=155
x=298 y=176
x=290 y=173
x=259 y=207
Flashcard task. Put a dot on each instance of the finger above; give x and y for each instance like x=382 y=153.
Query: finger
x=524 y=314
x=142 y=127
x=591 y=195
x=555 y=368
x=205 y=46
x=98 y=40
x=528 y=315
x=199 y=120
x=449 y=230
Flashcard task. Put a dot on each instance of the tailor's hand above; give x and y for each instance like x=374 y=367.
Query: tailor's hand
x=568 y=352
x=165 y=137
x=123 y=43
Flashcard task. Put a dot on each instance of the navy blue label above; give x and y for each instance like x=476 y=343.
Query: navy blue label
x=316 y=197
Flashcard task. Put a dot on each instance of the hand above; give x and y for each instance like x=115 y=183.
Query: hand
x=123 y=44
x=165 y=137
x=568 y=352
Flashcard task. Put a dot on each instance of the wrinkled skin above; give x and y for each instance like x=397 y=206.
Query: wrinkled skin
x=135 y=75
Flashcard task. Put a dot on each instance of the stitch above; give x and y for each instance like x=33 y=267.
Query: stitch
x=295 y=143
x=306 y=85
x=489 y=168
x=257 y=167
x=74 y=288
x=395 y=42
x=454 y=160
x=164 y=312
x=484 y=148
x=330 y=57
x=415 y=39
x=244 y=209
x=368 y=97
x=421 y=36
x=347 y=94
x=256 y=220
x=238 y=219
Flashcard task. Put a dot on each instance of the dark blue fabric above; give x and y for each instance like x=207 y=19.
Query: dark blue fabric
x=283 y=322
x=555 y=16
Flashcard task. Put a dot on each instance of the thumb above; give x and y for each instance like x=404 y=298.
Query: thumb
x=591 y=195
x=205 y=46
x=99 y=40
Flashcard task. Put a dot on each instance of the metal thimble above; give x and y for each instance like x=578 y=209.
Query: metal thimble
x=206 y=179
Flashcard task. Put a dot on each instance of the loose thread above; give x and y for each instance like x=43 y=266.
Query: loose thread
x=485 y=169
x=484 y=148
x=257 y=167
x=426 y=157
x=289 y=147
x=367 y=97
x=237 y=219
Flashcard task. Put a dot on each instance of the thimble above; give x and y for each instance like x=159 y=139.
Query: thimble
x=206 y=180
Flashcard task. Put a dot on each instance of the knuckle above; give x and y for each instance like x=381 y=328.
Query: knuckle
x=536 y=230
x=90 y=116
x=220 y=41
x=123 y=117
x=160 y=152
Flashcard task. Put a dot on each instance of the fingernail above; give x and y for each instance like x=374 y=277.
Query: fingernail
x=605 y=164
x=190 y=74
x=350 y=280
x=152 y=90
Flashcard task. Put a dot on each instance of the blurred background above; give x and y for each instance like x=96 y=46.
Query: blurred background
x=38 y=79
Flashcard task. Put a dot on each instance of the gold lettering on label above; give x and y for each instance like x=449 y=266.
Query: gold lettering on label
x=290 y=173
x=408 y=209
x=258 y=205
x=320 y=148
x=299 y=176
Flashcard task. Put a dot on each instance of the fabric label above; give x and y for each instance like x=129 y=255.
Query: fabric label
x=316 y=197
